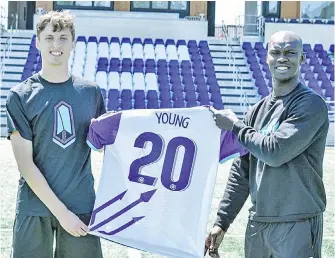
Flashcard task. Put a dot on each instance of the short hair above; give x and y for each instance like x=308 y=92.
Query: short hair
x=59 y=20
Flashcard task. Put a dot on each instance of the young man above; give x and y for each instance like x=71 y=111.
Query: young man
x=286 y=135
x=48 y=119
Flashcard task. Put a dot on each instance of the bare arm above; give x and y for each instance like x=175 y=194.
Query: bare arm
x=23 y=152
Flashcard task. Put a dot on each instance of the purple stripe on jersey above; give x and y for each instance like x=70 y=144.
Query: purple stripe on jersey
x=104 y=130
x=230 y=145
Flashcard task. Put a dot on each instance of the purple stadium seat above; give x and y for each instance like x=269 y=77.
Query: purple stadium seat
x=139 y=94
x=210 y=73
x=126 y=104
x=329 y=93
x=318 y=48
x=187 y=79
x=332 y=76
x=192 y=43
x=323 y=54
x=257 y=74
x=263 y=90
x=138 y=63
x=259 y=46
x=152 y=104
x=92 y=39
x=326 y=61
x=205 y=51
x=309 y=76
x=174 y=63
x=203 y=44
x=207 y=58
x=203 y=98
x=317 y=68
x=305 y=68
x=126 y=62
x=293 y=21
x=126 y=94
x=306 y=47
x=126 y=69
x=81 y=39
x=330 y=22
x=164 y=85
x=178 y=104
x=280 y=20
x=185 y=64
x=170 y=42
x=326 y=83
x=165 y=104
x=102 y=69
x=113 y=100
x=152 y=94
x=252 y=59
x=125 y=40
x=103 y=39
x=318 y=22
x=330 y=68
x=310 y=54
x=159 y=42
x=137 y=41
x=162 y=63
x=150 y=63
x=249 y=52
x=103 y=61
x=148 y=41
x=246 y=45
x=331 y=48
x=314 y=61
x=181 y=42
x=254 y=66
x=115 y=39
x=150 y=70
x=312 y=83
x=322 y=76
x=306 y=21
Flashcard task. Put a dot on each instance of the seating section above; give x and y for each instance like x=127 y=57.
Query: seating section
x=317 y=72
x=136 y=73
x=303 y=21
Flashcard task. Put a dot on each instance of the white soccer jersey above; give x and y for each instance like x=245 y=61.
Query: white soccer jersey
x=158 y=177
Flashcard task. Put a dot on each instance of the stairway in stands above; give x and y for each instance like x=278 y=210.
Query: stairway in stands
x=224 y=69
x=12 y=68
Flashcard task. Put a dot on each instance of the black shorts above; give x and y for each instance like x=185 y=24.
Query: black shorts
x=33 y=237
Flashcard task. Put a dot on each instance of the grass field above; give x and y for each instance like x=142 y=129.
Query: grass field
x=232 y=246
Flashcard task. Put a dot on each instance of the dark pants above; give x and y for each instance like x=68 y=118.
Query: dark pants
x=301 y=239
x=33 y=237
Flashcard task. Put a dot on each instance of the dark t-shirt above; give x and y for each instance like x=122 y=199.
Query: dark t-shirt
x=56 y=117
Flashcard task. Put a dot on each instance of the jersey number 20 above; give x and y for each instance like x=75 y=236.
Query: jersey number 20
x=158 y=149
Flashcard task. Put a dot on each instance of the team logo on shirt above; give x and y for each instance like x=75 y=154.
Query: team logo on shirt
x=64 y=134
x=271 y=127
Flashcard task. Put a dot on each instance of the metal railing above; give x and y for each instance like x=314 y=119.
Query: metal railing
x=237 y=76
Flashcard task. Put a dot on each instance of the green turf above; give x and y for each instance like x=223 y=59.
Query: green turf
x=232 y=246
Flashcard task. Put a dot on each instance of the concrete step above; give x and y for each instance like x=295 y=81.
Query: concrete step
x=236 y=107
x=225 y=48
x=9 y=68
x=227 y=55
x=15 y=61
x=227 y=98
x=215 y=41
x=17 y=40
x=8 y=84
x=250 y=91
x=224 y=61
x=15 y=54
x=221 y=68
x=235 y=84
x=3 y=131
x=232 y=75
x=12 y=76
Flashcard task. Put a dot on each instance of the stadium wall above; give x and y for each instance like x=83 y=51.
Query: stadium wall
x=137 y=24
x=196 y=7
x=310 y=33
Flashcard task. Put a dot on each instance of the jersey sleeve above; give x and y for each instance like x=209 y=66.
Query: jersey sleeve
x=16 y=117
x=103 y=131
x=230 y=147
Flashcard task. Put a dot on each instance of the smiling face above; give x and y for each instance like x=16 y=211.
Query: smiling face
x=285 y=56
x=55 y=46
